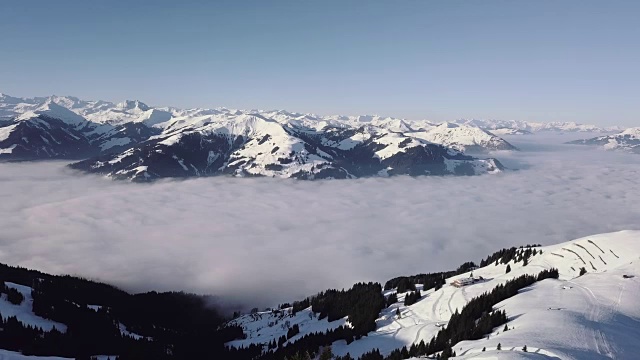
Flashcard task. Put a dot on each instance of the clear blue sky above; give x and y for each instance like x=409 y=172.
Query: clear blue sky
x=570 y=60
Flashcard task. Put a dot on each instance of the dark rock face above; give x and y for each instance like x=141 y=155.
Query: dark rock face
x=123 y=137
x=193 y=155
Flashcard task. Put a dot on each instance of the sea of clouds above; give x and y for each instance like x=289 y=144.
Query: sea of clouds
x=266 y=241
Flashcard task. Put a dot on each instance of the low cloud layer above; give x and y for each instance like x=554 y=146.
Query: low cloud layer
x=265 y=241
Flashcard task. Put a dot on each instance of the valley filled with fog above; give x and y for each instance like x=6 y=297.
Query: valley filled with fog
x=276 y=240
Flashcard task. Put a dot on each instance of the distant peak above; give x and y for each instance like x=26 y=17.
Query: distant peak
x=632 y=131
x=133 y=104
x=448 y=125
x=9 y=99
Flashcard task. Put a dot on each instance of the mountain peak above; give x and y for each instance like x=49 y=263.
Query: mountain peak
x=635 y=131
x=448 y=125
x=8 y=99
x=132 y=105
x=52 y=109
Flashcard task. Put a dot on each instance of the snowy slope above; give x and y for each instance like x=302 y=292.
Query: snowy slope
x=23 y=312
x=464 y=138
x=53 y=110
x=12 y=355
x=594 y=316
x=628 y=140
x=267 y=326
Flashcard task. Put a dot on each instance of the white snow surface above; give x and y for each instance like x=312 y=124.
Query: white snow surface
x=463 y=138
x=52 y=109
x=12 y=355
x=24 y=313
x=6 y=131
x=594 y=316
x=8 y=150
x=266 y=326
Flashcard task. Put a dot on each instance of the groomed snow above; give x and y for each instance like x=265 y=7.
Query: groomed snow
x=24 y=312
x=598 y=317
x=594 y=316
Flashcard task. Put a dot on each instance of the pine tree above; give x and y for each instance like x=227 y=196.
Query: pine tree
x=508 y=269
x=499 y=346
x=326 y=354
x=398 y=312
x=524 y=348
x=484 y=349
x=506 y=327
x=583 y=271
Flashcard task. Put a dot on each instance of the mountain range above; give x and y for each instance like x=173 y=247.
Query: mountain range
x=133 y=141
x=627 y=140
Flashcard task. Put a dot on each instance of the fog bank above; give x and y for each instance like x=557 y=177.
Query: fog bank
x=265 y=241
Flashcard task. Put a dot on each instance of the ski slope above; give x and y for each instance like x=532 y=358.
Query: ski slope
x=266 y=326
x=24 y=311
x=594 y=316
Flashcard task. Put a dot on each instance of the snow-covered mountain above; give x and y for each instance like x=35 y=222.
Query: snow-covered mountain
x=463 y=138
x=135 y=141
x=502 y=126
x=131 y=140
x=590 y=316
x=69 y=128
x=509 y=131
x=252 y=145
x=628 y=140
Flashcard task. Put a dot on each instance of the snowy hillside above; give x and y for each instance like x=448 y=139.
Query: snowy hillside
x=628 y=140
x=593 y=316
x=464 y=138
x=24 y=311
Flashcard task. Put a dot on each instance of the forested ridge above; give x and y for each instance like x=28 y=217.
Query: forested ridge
x=170 y=325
